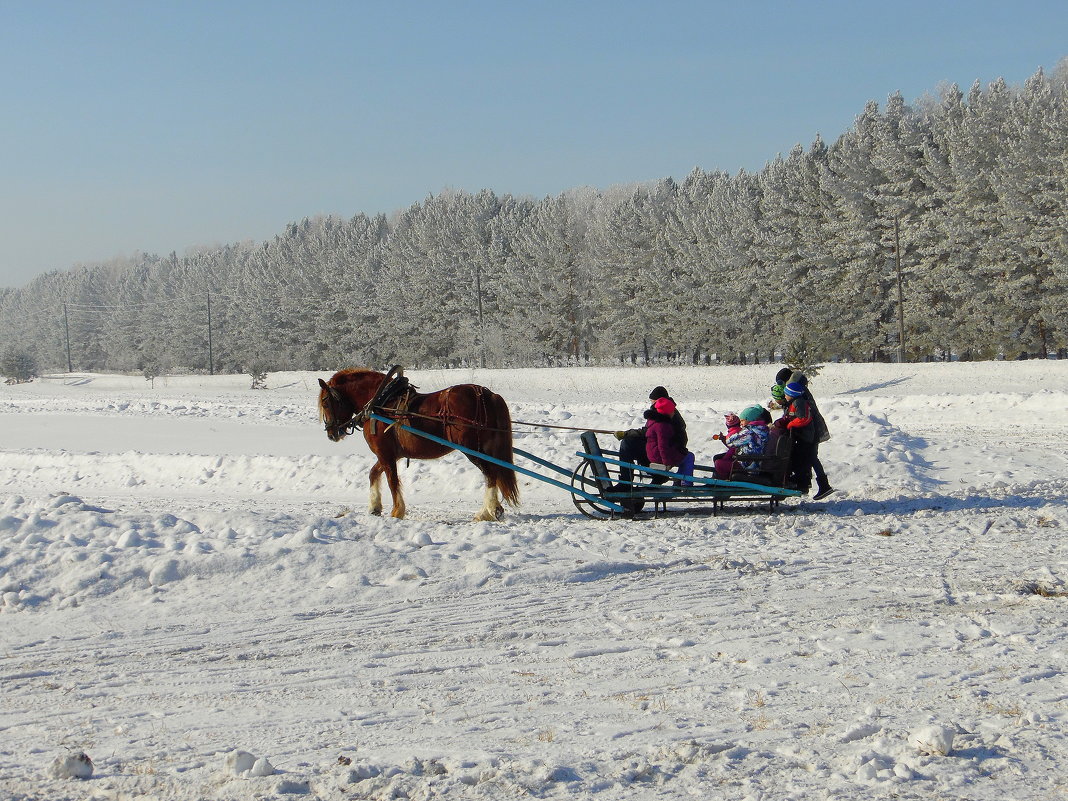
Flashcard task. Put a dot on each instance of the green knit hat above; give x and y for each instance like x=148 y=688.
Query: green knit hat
x=751 y=413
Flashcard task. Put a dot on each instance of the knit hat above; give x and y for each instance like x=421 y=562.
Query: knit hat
x=665 y=405
x=778 y=393
x=795 y=389
x=751 y=413
x=658 y=392
x=783 y=376
x=732 y=420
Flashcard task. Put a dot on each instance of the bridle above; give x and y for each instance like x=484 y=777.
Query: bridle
x=393 y=383
x=337 y=428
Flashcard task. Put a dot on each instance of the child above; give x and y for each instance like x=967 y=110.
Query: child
x=723 y=460
x=750 y=437
x=778 y=396
x=797 y=420
x=632 y=443
x=803 y=420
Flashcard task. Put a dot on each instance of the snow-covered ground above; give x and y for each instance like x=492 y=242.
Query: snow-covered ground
x=188 y=571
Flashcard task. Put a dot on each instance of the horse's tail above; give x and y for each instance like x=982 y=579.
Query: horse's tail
x=503 y=477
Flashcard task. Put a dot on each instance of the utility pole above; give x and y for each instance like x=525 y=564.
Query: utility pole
x=211 y=358
x=900 y=293
x=66 y=336
x=481 y=330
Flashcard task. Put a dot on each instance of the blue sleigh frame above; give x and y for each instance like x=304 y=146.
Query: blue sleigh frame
x=598 y=496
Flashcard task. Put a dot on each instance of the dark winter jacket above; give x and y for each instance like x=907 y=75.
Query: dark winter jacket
x=797 y=419
x=681 y=437
x=819 y=425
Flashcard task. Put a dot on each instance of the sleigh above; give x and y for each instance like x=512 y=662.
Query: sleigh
x=604 y=494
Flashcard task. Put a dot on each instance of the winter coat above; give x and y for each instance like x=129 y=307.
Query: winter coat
x=751 y=439
x=797 y=419
x=819 y=425
x=661 y=434
x=660 y=443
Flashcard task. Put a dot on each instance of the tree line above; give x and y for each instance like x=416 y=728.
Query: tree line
x=963 y=193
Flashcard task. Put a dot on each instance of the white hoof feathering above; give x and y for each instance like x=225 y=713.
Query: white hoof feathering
x=491 y=506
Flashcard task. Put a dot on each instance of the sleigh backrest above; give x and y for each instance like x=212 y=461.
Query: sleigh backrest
x=599 y=468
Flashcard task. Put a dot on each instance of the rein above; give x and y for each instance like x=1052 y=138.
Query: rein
x=355 y=423
x=452 y=419
x=395 y=383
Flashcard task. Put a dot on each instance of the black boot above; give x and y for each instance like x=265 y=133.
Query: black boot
x=823 y=489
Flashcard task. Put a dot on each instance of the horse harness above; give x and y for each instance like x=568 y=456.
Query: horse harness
x=395 y=388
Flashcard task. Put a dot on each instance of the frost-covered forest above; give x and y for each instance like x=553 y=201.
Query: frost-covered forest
x=966 y=192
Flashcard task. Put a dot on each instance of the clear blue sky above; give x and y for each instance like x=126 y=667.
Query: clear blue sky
x=157 y=126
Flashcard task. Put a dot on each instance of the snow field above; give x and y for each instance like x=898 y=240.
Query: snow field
x=164 y=609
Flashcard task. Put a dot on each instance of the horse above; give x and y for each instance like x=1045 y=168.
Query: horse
x=468 y=415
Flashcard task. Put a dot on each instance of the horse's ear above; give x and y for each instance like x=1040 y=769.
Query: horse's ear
x=323 y=384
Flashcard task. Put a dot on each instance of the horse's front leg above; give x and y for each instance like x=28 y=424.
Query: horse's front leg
x=375 y=505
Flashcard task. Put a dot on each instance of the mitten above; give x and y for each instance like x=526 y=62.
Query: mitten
x=621 y=434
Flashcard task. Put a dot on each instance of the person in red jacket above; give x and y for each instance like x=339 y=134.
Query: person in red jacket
x=797 y=419
x=818 y=427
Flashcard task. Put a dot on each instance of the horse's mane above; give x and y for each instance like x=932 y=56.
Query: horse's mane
x=340 y=378
x=352 y=372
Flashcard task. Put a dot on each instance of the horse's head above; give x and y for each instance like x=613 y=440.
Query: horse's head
x=343 y=398
x=336 y=411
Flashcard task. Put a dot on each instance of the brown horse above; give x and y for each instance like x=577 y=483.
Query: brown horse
x=466 y=414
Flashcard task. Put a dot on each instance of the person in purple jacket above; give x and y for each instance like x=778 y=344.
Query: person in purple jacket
x=662 y=447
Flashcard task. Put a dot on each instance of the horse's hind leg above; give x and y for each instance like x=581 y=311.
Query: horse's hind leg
x=375 y=505
x=491 y=503
x=393 y=480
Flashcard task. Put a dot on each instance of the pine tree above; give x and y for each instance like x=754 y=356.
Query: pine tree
x=18 y=364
